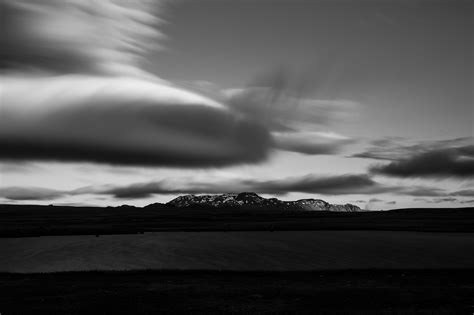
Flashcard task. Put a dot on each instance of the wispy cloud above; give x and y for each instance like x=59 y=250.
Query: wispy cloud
x=450 y=162
x=311 y=142
x=122 y=121
x=397 y=148
x=326 y=185
x=357 y=184
x=107 y=37
x=430 y=159
x=73 y=90
x=31 y=193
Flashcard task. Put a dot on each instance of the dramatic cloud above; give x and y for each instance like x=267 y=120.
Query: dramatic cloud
x=280 y=110
x=329 y=185
x=122 y=121
x=313 y=184
x=73 y=90
x=106 y=36
x=437 y=159
x=324 y=185
x=450 y=162
x=282 y=102
x=358 y=184
x=397 y=148
x=30 y=193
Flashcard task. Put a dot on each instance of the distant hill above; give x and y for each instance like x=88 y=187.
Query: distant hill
x=250 y=200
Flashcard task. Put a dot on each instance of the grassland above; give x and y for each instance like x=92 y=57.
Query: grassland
x=247 y=250
x=205 y=292
x=207 y=261
x=22 y=220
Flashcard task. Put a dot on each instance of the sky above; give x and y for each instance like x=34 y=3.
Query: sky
x=133 y=102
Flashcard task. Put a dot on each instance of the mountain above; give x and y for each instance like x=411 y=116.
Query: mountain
x=250 y=200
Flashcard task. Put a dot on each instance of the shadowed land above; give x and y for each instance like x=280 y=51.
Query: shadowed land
x=35 y=220
x=206 y=292
x=240 y=250
x=408 y=261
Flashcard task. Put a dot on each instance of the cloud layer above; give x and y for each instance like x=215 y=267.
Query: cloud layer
x=310 y=142
x=298 y=122
x=30 y=193
x=451 y=162
x=73 y=90
x=430 y=159
x=106 y=36
x=330 y=185
x=122 y=121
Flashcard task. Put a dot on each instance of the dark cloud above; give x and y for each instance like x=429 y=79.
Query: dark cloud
x=30 y=193
x=331 y=185
x=397 y=148
x=451 y=162
x=77 y=36
x=124 y=121
x=463 y=193
x=312 y=184
x=73 y=90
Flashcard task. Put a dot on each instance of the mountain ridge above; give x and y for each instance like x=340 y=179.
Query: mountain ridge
x=250 y=200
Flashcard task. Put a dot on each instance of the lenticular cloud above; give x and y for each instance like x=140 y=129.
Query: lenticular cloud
x=72 y=90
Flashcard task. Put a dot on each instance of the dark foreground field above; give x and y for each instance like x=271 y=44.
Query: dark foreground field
x=408 y=261
x=198 y=292
x=240 y=251
x=34 y=220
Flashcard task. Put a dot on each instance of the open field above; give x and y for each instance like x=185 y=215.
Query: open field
x=198 y=292
x=18 y=221
x=203 y=261
x=289 y=251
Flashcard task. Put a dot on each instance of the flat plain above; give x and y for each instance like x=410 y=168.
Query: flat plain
x=246 y=250
x=58 y=260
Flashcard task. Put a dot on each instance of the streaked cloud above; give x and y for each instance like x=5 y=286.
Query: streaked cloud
x=310 y=142
x=280 y=110
x=396 y=148
x=437 y=163
x=313 y=184
x=120 y=120
x=73 y=90
x=30 y=193
x=75 y=36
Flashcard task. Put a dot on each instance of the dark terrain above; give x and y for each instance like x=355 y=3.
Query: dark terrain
x=34 y=220
x=362 y=291
x=207 y=292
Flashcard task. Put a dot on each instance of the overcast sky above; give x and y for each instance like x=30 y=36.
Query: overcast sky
x=133 y=102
